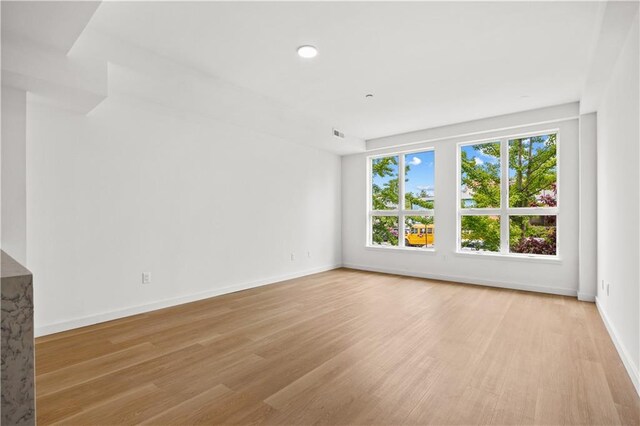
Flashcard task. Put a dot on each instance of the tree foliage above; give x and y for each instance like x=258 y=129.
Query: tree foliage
x=481 y=233
x=532 y=183
x=481 y=179
x=385 y=230
x=532 y=162
x=385 y=197
x=417 y=202
x=532 y=169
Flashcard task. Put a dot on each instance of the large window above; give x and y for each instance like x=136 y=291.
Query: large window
x=508 y=198
x=401 y=203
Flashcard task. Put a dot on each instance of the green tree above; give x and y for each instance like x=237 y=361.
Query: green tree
x=385 y=197
x=482 y=180
x=532 y=183
x=481 y=232
x=532 y=171
x=413 y=201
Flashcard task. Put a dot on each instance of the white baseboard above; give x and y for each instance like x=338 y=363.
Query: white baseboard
x=586 y=297
x=632 y=370
x=134 y=310
x=468 y=280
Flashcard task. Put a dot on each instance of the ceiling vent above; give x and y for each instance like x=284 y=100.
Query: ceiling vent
x=338 y=134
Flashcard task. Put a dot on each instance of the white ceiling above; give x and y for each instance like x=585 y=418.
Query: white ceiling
x=427 y=64
x=54 y=24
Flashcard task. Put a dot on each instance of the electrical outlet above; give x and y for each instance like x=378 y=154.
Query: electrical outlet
x=309 y=254
x=146 y=278
x=293 y=257
x=607 y=289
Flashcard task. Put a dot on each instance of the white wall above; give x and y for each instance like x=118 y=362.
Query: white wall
x=14 y=110
x=619 y=205
x=537 y=275
x=587 y=250
x=205 y=206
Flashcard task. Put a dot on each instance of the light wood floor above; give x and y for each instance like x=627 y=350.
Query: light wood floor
x=342 y=347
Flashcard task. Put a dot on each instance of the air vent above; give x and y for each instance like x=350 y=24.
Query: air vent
x=337 y=133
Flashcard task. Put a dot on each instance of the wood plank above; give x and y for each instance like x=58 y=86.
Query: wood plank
x=342 y=347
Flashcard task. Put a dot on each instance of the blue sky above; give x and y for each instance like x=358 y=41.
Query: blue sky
x=421 y=172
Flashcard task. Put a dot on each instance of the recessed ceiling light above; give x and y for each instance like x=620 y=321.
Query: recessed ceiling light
x=307 y=51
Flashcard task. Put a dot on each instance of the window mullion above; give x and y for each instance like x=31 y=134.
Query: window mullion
x=479 y=212
x=401 y=206
x=384 y=213
x=533 y=211
x=504 y=196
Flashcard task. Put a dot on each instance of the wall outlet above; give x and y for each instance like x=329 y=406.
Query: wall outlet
x=607 y=289
x=146 y=278
x=293 y=257
x=309 y=254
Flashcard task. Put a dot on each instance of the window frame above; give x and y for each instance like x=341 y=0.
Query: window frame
x=401 y=212
x=504 y=211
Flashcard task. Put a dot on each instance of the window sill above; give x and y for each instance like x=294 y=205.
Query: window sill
x=401 y=249
x=509 y=257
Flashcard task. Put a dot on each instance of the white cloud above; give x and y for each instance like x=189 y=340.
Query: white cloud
x=479 y=162
x=415 y=161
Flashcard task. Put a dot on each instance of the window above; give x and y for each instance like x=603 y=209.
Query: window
x=508 y=197
x=402 y=198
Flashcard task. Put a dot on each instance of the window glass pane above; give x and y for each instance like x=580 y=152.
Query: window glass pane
x=532 y=172
x=419 y=180
x=480 y=233
x=532 y=234
x=480 y=175
x=384 y=230
x=384 y=189
x=419 y=231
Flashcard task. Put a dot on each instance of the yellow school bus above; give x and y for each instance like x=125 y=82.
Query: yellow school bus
x=419 y=235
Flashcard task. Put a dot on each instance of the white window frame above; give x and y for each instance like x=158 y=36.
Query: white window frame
x=504 y=211
x=401 y=213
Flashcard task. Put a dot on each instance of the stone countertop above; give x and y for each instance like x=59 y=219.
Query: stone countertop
x=10 y=268
x=17 y=355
